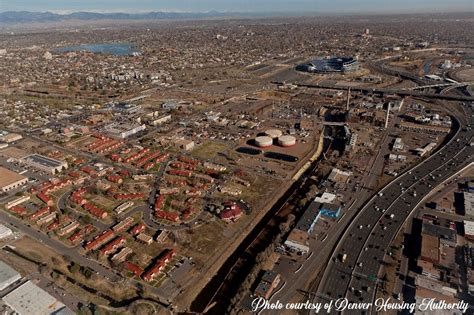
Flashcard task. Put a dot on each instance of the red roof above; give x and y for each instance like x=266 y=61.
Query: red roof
x=159 y=264
x=18 y=210
x=43 y=197
x=110 y=247
x=180 y=173
x=188 y=160
x=137 y=229
x=171 y=216
x=137 y=270
x=94 y=210
x=100 y=240
x=159 y=202
x=231 y=214
x=114 y=178
x=40 y=213
x=53 y=225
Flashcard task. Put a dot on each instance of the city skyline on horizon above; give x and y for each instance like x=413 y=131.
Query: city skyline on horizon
x=244 y=6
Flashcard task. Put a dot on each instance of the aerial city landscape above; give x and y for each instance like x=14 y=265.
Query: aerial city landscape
x=219 y=163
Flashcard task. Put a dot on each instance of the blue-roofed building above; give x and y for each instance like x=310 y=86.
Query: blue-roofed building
x=330 y=210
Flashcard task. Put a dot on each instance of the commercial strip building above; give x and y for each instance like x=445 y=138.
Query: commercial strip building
x=430 y=129
x=10 y=180
x=44 y=163
x=323 y=205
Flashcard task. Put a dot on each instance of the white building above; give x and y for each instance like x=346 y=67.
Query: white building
x=29 y=299
x=11 y=137
x=123 y=131
x=17 y=201
x=10 y=180
x=160 y=120
x=44 y=163
x=469 y=229
x=8 y=275
x=5 y=232
x=398 y=145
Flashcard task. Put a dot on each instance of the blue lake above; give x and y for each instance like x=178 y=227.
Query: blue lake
x=116 y=49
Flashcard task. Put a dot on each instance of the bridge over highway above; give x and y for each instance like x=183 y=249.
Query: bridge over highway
x=381 y=91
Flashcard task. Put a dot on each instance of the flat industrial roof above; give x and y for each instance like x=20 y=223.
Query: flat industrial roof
x=308 y=218
x=8 y=275
x=468 y=227
x=8 y=177
x=29 y=299
x=43 y=160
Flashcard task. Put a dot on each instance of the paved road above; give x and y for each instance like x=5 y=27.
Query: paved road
x=383 y=91
x=58 y=246
x=366 y=240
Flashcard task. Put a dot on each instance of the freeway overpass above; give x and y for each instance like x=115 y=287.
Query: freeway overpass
x=451 y=84
x=382 y=91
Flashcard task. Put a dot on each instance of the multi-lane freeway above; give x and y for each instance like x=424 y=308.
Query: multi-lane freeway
x=365 y=242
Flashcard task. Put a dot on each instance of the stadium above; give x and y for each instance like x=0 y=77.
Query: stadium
x=335 y=64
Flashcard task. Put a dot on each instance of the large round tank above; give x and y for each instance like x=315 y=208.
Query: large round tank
x=263 y=141
x=286 y=141
x=273 y=133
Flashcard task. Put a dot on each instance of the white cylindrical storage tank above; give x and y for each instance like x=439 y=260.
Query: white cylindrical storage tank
x=263 y=141
x=286 y=141
x=273 y=133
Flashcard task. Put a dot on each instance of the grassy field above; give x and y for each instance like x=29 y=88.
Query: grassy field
x=208 y=150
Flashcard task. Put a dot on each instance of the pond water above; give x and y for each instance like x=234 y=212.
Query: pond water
x=117 y=49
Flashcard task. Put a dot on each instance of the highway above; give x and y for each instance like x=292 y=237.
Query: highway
x=366 y=240
x=384 y=91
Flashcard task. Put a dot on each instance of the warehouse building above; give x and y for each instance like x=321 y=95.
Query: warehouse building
x=469 y=230
x=11 y=137
x=10 y=180
x=8 y=275
x=468 y=198
x=5 y=232
x=123 y=131
x=44 y=163
x=29 y=299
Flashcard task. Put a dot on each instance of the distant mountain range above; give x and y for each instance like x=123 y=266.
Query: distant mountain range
x=15 y=17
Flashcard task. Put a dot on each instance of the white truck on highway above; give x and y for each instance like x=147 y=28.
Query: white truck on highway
x=343 y=258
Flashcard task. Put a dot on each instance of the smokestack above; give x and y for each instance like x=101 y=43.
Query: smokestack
x=388 y=114
x=348 y=98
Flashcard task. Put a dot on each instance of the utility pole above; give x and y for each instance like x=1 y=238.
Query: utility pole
x=388 y=114
x=348 y=98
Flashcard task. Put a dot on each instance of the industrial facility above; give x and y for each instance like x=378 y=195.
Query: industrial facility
x=10 y=180
x=44 y=163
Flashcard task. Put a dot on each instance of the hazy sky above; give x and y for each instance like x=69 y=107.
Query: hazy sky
x=333 y=6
